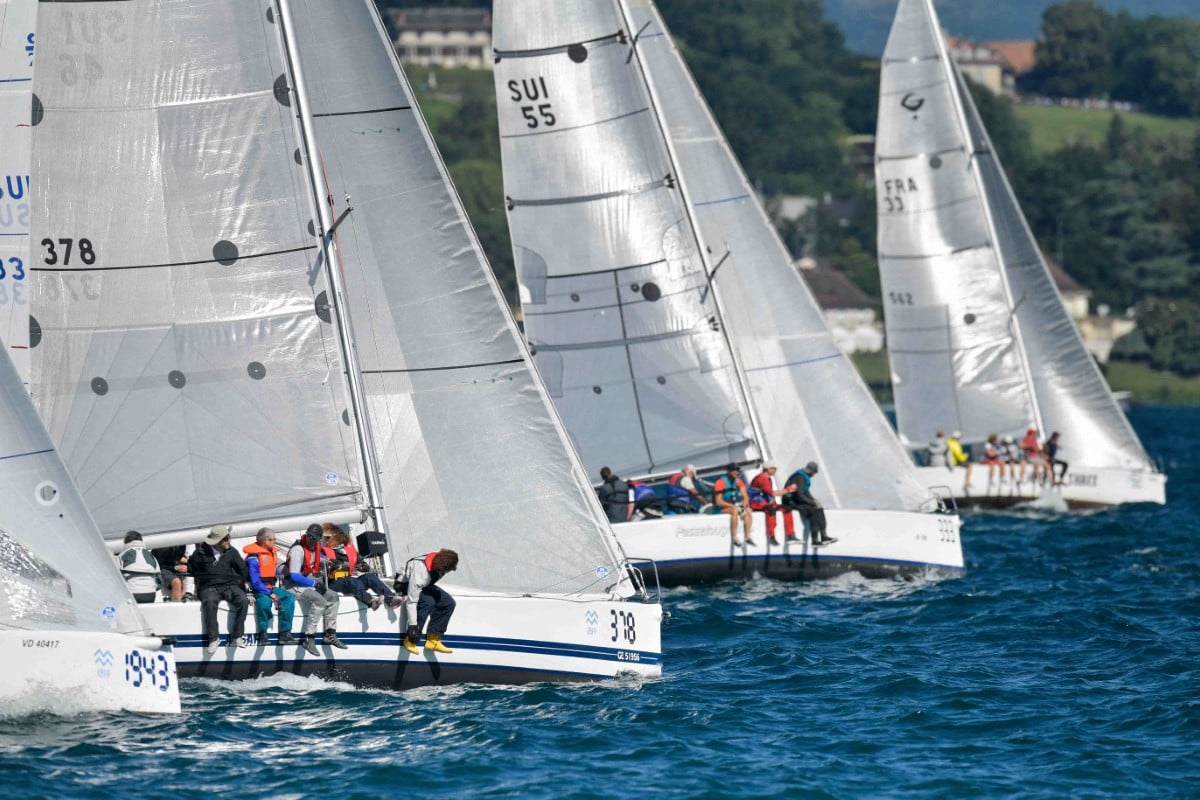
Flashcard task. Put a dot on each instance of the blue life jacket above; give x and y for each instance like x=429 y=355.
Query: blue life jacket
x=642 y=492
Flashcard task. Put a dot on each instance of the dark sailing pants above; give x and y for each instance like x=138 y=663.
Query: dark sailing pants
x=437 y=606
x=815 y=517
x=210 y=598
x=356 y=586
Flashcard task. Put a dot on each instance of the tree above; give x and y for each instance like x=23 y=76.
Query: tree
x=1172 y=332
x=1074 y=55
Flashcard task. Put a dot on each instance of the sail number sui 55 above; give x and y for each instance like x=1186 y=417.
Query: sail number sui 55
x=535 y=99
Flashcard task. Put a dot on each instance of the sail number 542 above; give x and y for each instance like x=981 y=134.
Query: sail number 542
x=624 y=626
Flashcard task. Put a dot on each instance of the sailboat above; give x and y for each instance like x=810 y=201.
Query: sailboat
x=262 y=305
x=17 y=19
x=71 y=637
x=978 y=337
x=664 y=313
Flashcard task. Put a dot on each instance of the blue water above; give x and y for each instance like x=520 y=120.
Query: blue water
x=1063 y=664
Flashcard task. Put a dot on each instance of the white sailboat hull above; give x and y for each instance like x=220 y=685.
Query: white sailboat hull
x=497 y=639
x=694 y=548
x=69 y=672
x=1085 y=487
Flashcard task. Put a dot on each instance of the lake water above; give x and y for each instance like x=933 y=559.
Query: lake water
x=1064 y=663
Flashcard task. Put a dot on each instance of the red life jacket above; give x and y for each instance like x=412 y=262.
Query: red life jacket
x=267 y=561
x=312 y=558
x=429 y=562
x=675 y=479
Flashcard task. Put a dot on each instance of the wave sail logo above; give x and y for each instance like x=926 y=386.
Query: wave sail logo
x=103 y=658
x=591 y=622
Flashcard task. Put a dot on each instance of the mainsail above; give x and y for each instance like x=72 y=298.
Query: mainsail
x=17 y=18
x=616 y=292
x=193 y=363
x=811 y=401
x=978 y=334
x=55 y=572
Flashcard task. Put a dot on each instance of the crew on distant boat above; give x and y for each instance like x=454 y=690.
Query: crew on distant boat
x=431 y=602
x=939 y=451
x=351 y=575
x=306 y=575
x=762 y=498
x=991 y=457
x=1032 y=450
x=615 y=496
x=809 y=507
x=220 y=574
x=959 y=456
x=173 y=562
x=685 y=491
x=730 y=497
x=1052 y=460
x=262 y=564
x=1010 y=454
x=140 y=569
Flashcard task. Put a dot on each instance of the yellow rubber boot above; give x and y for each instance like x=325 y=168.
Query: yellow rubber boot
x=411 y=646
x=433 y=641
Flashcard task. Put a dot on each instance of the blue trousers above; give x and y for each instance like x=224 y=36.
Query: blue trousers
x=356 y=586
x=437 y=606
x=262 y=610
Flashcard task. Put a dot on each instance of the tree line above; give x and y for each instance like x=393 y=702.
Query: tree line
x=1122 y=216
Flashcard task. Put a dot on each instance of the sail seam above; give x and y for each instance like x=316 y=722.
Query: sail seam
x=603 y=271
x=443 y=368
x=363 y=111
x=637 y=400
x=945 y=152
x=585 y=125
x=800 y=363
x=172 y=264
x=622 y=342
x=23 y=455
x=605 y=306
x=954 y=252
x=590 y=198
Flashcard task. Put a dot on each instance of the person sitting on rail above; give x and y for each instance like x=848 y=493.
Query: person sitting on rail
x=1050 y=451
x=645 y=501
x=1010 y=454
x=939 y=451
x=1032 y=450
x=762 y=498
x=262 y=560
x=350 y=575
x=730 y=497
x=991 y=457
x=807 y=505
x=959 y=456
x=684 y=491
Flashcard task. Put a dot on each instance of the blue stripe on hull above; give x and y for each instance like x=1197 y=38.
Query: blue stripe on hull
x=685 y=571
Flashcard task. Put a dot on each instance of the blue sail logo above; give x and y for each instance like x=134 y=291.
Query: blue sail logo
x=103 y=658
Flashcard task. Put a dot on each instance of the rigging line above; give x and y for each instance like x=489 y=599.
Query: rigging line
x=909 y=60
x=362 y=111
x=443 y=369
x=597 y=123
x=23 y=455
x=719 y=202
x=172 y=264
x=589 y=198
x=713 y=274
x=637 y=400
x=15 y=80
x=619 y=36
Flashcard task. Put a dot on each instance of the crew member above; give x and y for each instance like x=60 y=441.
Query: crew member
x=307 y=576
x=806 y=505
x=685 y=491
x=431 y=602
x=614 y=496
x=139 y=568
x=220 y=572
x=730 y=497
x=958 y=456
x=762 y=498
x=939 y=451
x=262 y=562
x=1052 y=460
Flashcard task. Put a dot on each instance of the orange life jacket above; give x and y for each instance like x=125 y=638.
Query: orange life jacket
x=312 y=558
x=267 y=561
x=429 y=562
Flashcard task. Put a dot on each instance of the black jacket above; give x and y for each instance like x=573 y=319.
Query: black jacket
x=614 y=496
x=802 y=497
x=229 y=568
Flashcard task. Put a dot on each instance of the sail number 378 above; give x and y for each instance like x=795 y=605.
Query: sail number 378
x=624 y=626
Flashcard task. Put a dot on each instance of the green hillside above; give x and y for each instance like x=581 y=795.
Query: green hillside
x=1054 y=127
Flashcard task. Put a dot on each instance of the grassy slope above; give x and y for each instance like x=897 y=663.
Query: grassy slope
x=1053 y=127
x=1146 y=385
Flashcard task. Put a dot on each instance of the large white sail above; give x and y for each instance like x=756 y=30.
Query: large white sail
x=17 y=20
x=471 y=453
x=1072 y=395
x=956 y=356
x=940 y=186
x=55 y=573
x=186 y=369
x=811 y=401
x=618 y=304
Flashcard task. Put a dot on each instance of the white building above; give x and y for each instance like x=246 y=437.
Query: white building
x=443 y=37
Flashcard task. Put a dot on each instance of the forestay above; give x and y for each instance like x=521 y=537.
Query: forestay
x=472 y=456
x=1072 y=395
x=956 y=358
x=55 y=572
x=17 y=19
x=812 y=404
x=617 y=300
x=186 y=370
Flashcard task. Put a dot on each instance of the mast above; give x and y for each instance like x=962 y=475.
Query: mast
x=739 y=371
x=956 y=89
x=333 y=268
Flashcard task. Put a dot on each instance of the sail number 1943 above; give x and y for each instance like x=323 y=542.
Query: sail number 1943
x=624 y=626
